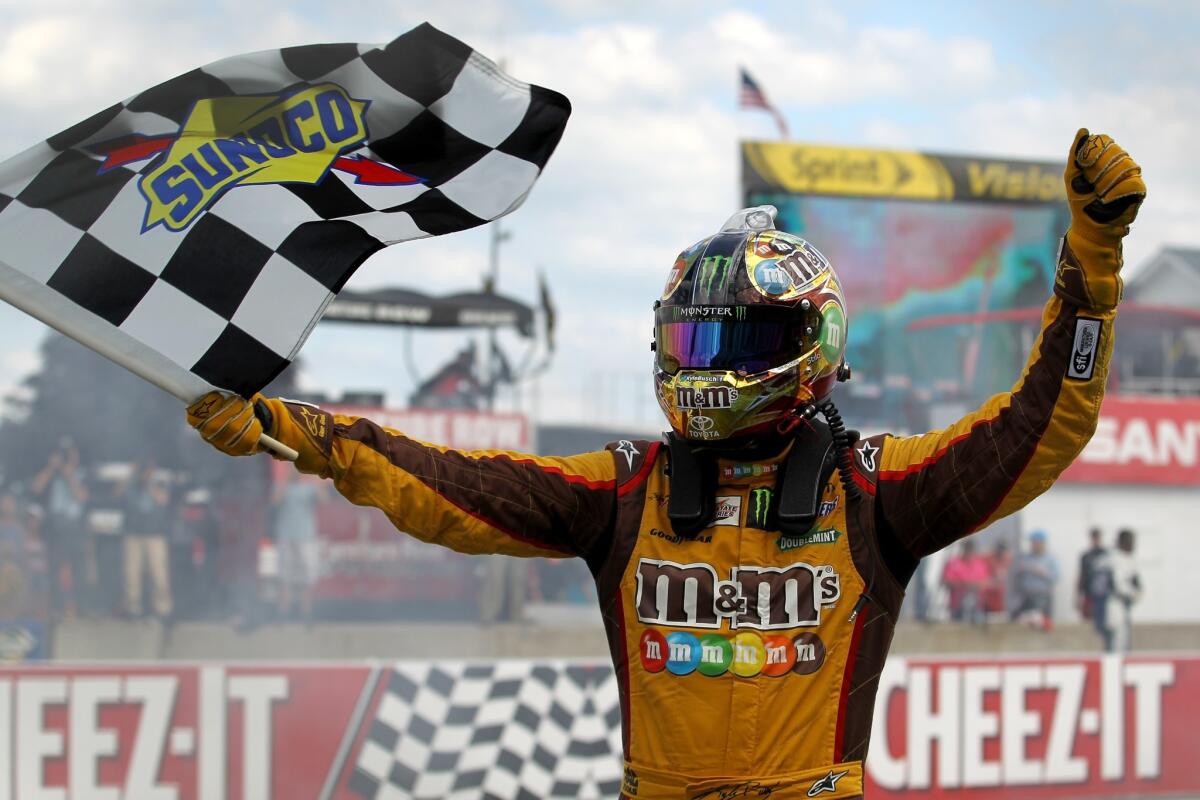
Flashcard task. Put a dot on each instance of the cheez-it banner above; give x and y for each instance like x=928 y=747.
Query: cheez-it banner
x=1142 y=440
x=208 y=732
x=1036 y=728
x=944 y=727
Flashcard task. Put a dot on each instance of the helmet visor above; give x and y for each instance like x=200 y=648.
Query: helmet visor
x=747 y=339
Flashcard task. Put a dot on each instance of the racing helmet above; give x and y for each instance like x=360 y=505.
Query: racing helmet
x=751 y=327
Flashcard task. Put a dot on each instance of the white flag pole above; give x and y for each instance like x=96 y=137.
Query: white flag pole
x=43 y=303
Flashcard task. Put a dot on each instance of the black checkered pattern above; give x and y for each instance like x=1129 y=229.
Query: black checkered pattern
x=228 y=302
x=518 y=730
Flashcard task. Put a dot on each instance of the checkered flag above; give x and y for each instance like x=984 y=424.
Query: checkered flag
x=195 y=232
x=513 y=729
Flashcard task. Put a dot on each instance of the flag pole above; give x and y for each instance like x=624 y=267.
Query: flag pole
x=44 y=304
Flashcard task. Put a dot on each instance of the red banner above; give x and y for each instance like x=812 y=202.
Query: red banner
x=1142 y=440
x=461 y=430
x=968 y=729
x=208 y=732
x=1052 y=728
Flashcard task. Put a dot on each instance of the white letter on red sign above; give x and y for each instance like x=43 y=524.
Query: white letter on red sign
x=1112 y=719
x=1061 y=766
x=89 y=742
x=257 y=693
x=211 y=767
x=1019 y=723
x=157 y=696
x=34 y=743
x=925 y=726
x=978 y=725
x=1148 y=681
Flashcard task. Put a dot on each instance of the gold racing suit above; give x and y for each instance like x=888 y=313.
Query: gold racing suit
x=747 y=660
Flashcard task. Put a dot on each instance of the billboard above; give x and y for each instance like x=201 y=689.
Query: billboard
x=1142 y=440
x=1036 y=727
x=934 y=253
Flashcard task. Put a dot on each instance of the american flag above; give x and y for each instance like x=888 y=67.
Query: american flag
x=751 y=96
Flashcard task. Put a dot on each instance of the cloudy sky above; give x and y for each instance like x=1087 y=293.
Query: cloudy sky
x=649 y=160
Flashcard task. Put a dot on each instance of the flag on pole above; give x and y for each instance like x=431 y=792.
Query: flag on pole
x=751 y=96
x=195 y=232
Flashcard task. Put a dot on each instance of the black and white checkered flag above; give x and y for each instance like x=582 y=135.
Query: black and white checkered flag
x=519 y=729
x=195 y=232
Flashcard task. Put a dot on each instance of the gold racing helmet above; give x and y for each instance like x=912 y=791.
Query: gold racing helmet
x=751 y=327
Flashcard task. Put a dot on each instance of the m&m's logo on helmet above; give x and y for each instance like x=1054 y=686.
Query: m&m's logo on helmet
x=227 y=142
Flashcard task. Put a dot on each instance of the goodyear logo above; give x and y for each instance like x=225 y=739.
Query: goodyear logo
x=226 y=142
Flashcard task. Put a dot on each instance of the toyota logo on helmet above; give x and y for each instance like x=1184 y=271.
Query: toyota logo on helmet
x=751 y=326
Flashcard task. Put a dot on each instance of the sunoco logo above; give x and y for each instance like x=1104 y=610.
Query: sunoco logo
x=705 y=397
x=227 y=142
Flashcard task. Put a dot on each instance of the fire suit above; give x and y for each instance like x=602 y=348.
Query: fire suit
x=747 y=659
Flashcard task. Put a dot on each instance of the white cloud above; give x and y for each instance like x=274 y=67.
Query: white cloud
x=1156 y=124
x=649 y=161
x=825 y=62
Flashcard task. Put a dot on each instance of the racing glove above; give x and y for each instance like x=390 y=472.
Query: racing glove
x=227 y=422
x=233 y=425
x=1104 y=191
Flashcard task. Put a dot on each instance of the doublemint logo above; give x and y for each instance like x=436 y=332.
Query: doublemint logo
x=714 y=271
x=760 y=507
x=827 y=536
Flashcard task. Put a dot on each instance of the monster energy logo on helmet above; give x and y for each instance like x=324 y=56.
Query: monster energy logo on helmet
x=713 y=273
x=760 y=507
x=688 y=313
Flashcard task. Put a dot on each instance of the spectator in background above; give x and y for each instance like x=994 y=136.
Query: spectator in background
x=193 y=555
x=60 y=485
x=15 y=588
x=295 y=500
x=1092 y=583
x=964 y=576
x=1125 y=590
x=995 y=593
x=1034 y=577
x=147 y=518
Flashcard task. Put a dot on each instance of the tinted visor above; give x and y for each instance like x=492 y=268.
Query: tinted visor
x=748 y=339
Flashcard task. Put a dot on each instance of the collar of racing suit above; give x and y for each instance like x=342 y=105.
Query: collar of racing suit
x=802 y=462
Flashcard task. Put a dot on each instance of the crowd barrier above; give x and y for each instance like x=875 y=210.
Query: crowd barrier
x=1029 y=727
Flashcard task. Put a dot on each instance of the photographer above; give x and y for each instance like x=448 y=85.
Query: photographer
x=60 y=484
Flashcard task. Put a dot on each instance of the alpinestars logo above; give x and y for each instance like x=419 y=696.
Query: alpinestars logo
x=1083 y=352
x=866 y=454
x=626 y=448
x=828 y=783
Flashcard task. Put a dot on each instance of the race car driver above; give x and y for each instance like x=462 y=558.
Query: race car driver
x=750 y=567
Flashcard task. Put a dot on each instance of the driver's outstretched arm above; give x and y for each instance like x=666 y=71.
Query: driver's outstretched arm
x=486 y=501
